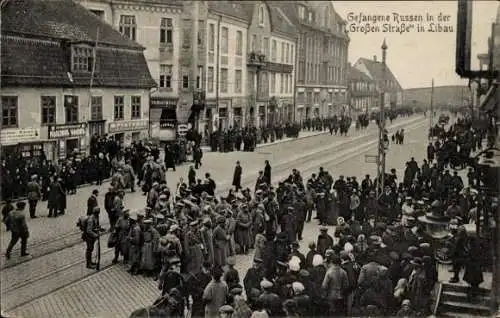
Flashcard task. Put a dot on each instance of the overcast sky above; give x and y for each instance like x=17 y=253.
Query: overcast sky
x=415 y=58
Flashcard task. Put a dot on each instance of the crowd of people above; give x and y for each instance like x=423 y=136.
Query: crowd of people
x=379 y=261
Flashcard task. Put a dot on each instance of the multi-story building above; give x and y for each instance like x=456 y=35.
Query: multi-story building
x=363 y=94
x=226 y=62
x=62 y=85
x=321 y=59
x=271 y=51
x=394 y=93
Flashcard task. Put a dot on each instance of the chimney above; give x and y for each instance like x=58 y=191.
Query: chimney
x=375 y=58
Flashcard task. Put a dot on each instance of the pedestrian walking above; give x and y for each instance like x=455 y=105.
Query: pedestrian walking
x=238 y=171
x=34 y=193
x=16 y=222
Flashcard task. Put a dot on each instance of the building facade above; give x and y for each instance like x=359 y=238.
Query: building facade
x=321 y=58
x=271 y=50
x=59 y=87
x=393 y=92
x=226 y=61
x=363 y=95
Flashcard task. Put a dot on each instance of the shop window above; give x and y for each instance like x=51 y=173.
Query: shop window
x=136 y=107
x=237 y=111
x=9 y=111
x=223 y=112
x=48 y=110
x=71 y=146
x=119 y=108
x=96 y=108
x=128 y=26
x=166 y=31
x=71 y=109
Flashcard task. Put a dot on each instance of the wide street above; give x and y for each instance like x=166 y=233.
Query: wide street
x=55 y=281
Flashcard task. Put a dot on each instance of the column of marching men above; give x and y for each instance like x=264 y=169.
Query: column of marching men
x=379 y=260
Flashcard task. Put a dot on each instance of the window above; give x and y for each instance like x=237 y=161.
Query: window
x=71 y=109
x=286 y=83
x=273 y=51
x=292 y=61
x=254 y=43
x=82 y=59
x=287 y=53
x=96 y=108
x=185 y=81
x=199 y=76
x=261 y=15
x=9 y=111
x=282 y=83
x=48 y=110
x=239 y=43
x=135 y=104
x=223 y=80
x=211 y=37
x=272 y=81
x=119 y=107
x=224 y=40
x=266 y=46
x=128 y=26
x=282 y=52
x=166 y=31
x=201 y=33
x=186 y=39
x=302 y=12
x=237 y=81
x=210 y=79
x=98 y=13
x=165 y=76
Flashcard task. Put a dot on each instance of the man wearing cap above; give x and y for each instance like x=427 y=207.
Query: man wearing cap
x=220 y=242
x=92 y=202
x=335 y=283
x=150 y=242
x=207 y=240
x=153 y=195
x=33 y=193
x=135 y=241
x=121 y=230
x=269 y=300
x=91 y=235
x=297 y=253
x=417 y=284
x=226 y=311
x=16 y=222
x=254 y=276
x=117 y=207
x=325 y=241
x=193 y=248
x=195 y=286
x=302 y=299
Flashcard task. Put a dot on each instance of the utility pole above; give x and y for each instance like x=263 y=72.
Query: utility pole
x=381 y=131
x=431 y=117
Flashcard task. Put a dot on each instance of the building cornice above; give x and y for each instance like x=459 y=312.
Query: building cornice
x=22 y=39
x=282 y=35
x=149 y=7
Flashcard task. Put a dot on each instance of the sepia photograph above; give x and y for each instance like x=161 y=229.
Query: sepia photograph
x=249 y=159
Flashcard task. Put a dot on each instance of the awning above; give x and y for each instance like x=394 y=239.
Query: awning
x=490 y=101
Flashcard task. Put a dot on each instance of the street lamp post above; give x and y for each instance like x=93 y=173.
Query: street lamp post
x=381 y=140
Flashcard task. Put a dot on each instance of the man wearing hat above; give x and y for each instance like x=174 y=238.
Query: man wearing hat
x=121 y=231
x=269 y=300
x=16 y=222
x=33 y=193
x=91 y=235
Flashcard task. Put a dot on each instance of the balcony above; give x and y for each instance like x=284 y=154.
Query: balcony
x=256 y=59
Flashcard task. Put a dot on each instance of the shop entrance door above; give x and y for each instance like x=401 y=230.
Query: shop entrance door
x=71 y=146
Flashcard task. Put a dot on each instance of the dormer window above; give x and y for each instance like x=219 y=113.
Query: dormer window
x=82 y=59
x=302 y=12
x=261 y=15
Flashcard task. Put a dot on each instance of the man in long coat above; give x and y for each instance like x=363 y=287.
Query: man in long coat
x=150 y=238
x=208 y=241
x=238 y=171
x=267 y=172
x=221 y=242
x=192 y=248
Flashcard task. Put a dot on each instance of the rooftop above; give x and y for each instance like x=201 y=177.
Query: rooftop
x=376 y=68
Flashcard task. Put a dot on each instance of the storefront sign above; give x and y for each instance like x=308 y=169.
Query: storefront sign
x=67 y=130
x=129 y=125
x=163 y=102
x=12 y=136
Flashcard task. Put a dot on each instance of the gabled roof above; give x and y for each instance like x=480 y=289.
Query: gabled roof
x=357 y=75
x=37 y=40
x=376 y=69
x=281 y=23
x=59 y=19
x=231 y=8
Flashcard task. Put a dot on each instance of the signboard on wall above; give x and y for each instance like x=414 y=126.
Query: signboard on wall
x=128 y=125
x=67 y=130
x=12 y=136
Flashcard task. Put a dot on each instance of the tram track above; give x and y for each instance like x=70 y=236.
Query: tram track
x=70 y=239
x=75 y=271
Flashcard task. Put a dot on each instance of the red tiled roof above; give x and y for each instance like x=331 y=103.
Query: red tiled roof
x=59 y=19
x=32 y=62
x=36 y=47
x=355 y=74
x=375 y=68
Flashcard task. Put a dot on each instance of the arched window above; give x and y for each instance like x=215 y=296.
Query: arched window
x=261 y=15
